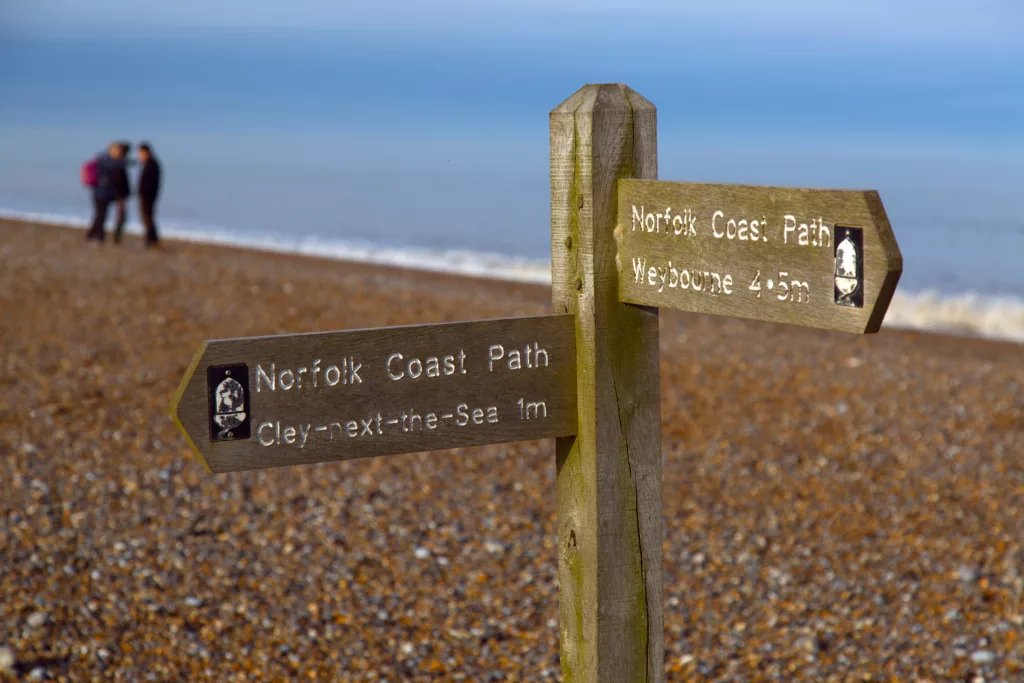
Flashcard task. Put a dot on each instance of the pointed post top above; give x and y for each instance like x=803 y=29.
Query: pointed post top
x=602 y=97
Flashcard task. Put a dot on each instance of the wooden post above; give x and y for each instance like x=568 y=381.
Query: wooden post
x=610 y=526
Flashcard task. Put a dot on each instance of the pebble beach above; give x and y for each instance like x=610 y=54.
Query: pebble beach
x=837 y=507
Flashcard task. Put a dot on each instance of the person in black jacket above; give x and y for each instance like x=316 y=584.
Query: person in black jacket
x=121 y=188
x=149 y=190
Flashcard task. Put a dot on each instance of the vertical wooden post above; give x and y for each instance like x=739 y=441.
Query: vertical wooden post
x=610 y=526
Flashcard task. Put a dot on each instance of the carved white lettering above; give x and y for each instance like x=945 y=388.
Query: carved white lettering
x=495 y=352
x=266 y=441
x=387 y=366
x=687 y=224
x=711 y=282
x=538 y=352
x=531 y=410
x=534 y=356
x=397 y=367
x=639 y=266
x=261 y=377
x=741 y=230
x=308 y=377
x=812 y=234
x=666 y=221
x=272 y=433
x=638 y=217
x=286 y=379
x=464 y=415
x=408 y=420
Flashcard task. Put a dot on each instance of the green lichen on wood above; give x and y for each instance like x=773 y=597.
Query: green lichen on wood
x=570 y=467
x=613 y=642
x=626 y=168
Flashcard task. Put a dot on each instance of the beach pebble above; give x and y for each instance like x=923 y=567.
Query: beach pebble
x=7 y=659
x=983 y=657
x=966 y=574
x=36 y=619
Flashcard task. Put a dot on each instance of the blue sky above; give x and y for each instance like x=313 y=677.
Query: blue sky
x=849 y=75
x=929 y=79
x=938 y=81
x=961 y=62
x=920 y=99
x=953 y=21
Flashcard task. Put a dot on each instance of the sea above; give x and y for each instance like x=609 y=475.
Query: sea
x=434 y=154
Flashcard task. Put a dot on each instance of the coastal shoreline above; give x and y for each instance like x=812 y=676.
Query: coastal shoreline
x=969 y=314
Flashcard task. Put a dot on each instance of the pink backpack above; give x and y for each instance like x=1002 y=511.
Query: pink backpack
x=90 y=172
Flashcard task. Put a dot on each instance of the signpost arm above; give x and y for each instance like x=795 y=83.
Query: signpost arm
x=610 y=527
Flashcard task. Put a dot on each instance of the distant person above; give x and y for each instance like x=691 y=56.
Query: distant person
x=121 y=187
x=149 y=190
x=98 y=174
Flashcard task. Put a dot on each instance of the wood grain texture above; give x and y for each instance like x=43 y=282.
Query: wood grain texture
x=474 y=382
x=610 y=526
x=792 y=270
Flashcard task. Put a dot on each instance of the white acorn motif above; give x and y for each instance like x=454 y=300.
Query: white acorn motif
x=229 y=401
x=846 y=270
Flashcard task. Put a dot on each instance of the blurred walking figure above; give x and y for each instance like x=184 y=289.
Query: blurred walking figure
x=121 y=188
x=149 y=189
x=98 y=174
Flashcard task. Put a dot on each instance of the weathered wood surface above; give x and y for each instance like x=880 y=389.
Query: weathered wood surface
x=342 y=395
x=765 y=253
x=610 y=526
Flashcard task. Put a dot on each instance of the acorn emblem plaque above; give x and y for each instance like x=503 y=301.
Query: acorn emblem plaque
x=849 y=267
x=228 y=387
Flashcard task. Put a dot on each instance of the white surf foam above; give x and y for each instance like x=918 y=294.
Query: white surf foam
x=970 y=314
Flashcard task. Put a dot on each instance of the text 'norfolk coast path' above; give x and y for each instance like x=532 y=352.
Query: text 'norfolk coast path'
x=304 y=398
x=815 y=258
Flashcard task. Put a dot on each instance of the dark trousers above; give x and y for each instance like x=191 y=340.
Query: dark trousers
x=122 y=218
x=99 y=219
x=147 y=209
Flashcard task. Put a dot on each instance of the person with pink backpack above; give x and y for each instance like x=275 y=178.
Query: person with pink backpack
x=98 y=174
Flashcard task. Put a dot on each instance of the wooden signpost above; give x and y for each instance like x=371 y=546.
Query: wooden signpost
x=622 y=245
